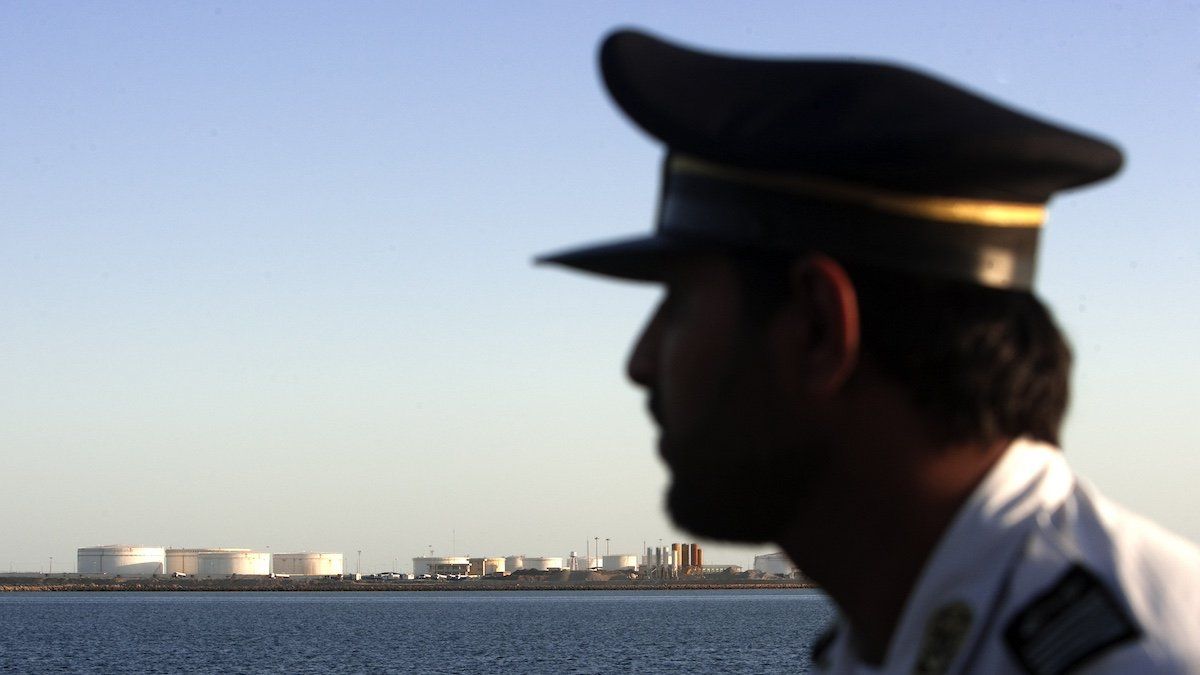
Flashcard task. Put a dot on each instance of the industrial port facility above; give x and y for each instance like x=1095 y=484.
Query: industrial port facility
x=664 y=562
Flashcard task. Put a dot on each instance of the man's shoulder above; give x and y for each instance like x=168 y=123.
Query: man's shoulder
x=1115 y=587
x=1158 y=570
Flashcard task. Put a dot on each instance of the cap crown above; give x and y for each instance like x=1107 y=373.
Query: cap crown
x=870 y=162
x=865 y=122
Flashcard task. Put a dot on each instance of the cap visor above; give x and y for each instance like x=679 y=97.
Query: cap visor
x=638 y=258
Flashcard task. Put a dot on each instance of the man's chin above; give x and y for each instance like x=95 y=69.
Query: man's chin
x=726 y=517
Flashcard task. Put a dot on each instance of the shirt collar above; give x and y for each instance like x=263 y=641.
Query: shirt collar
x=970 y=563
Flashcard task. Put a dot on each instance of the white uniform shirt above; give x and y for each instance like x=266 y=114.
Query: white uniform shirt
x=1040 y=573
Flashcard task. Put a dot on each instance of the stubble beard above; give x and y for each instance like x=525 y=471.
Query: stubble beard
x=747 y=499
x=742 y=475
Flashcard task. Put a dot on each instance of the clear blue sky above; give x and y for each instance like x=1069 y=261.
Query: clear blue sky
x=265 y=268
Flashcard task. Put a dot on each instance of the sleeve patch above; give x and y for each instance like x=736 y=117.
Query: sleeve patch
x=1074 y=620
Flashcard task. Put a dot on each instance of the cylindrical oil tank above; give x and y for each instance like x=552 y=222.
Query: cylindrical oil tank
x=187 y=560
x=441 y=565
x=229 y=563
x=118 y=560
x=676 y=556
x=308 y=564
x=620 y=561
x=513 y=563
x=543 y=563
x=487 y=565
x=774 y=563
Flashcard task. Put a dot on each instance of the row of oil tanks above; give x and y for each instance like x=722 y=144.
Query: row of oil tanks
x=144 y=561
x=485 y=566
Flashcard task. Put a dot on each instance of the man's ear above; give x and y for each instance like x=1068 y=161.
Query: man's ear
x=816 y=333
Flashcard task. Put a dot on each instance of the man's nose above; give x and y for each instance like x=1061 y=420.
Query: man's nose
x=643 y=360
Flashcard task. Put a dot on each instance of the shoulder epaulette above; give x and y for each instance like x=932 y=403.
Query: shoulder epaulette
x=1074 y=620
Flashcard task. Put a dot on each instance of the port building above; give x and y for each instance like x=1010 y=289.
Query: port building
x=576 y=562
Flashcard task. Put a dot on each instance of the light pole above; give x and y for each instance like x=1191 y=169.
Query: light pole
x=660 y=560
x=606 y=547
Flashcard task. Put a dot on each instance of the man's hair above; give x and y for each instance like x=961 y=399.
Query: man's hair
x=981 y=364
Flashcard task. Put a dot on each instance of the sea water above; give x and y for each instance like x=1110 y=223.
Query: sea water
x=411 y=632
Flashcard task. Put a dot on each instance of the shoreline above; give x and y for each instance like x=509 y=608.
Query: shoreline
x=34 y=584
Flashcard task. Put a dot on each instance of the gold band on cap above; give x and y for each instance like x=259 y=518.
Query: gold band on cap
x=947 y=209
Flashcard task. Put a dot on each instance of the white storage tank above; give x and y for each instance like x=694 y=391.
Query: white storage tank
x=620 y=561
x=441 y=565
x=513 y=563
x=228 y=563
x=187 y=560
x=309 y=564
x=543 y=563
x=118 y=560
x=487 y=565
x=774 y=563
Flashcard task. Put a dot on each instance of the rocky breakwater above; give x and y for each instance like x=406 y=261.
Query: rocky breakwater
x=533 y=581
